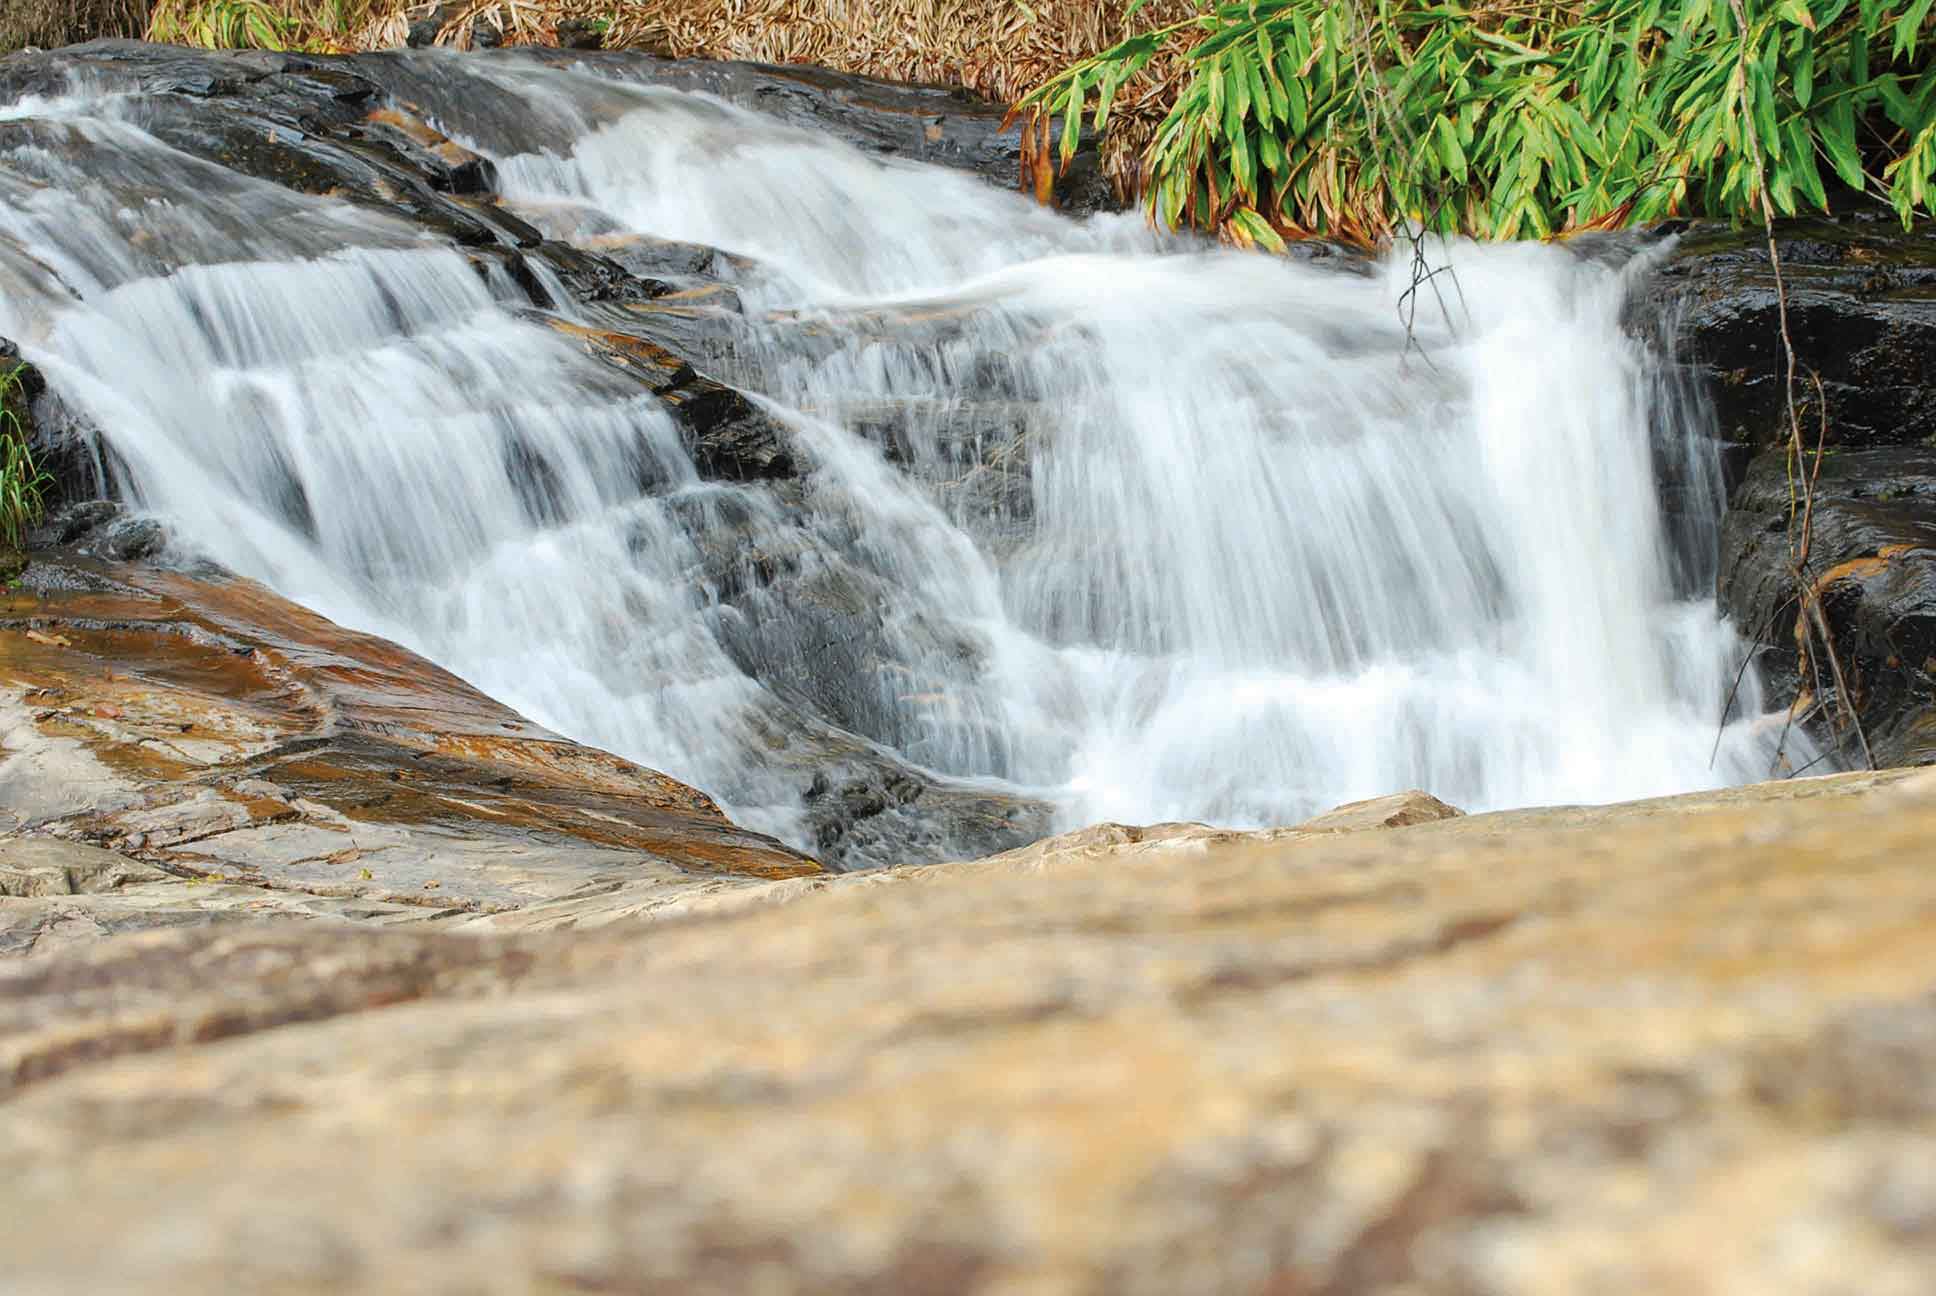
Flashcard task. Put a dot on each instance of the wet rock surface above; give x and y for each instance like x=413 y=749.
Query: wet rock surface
x=1861 y=312
x=64 y=445
x=162 y=728
x=1648 y=1047
x=933 y=124
x=1871 y=568
x=663 y=318
x=1862 y=316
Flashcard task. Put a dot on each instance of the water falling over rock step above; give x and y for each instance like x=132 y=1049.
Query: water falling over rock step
x=906 y=517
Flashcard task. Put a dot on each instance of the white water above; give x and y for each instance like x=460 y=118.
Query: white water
x=1275 y=554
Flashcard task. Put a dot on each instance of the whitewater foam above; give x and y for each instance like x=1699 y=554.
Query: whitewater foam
x=1226 y=539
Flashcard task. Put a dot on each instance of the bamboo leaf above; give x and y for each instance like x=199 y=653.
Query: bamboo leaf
x=1837 y=134
x=1072 y=118
x=1243 y=170
x=1237 y=106
x=1257 y=229
x=1901 y=111
x=1259 y=95
x=1763 y=106
x=1105 y=97
x=1908 y=26
x=1450 y=153
x=1801 y=152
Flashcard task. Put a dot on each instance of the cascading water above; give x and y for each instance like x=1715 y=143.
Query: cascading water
x=1145 y=529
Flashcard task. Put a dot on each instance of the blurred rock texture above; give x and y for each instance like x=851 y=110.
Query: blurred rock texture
x=1675 y=1047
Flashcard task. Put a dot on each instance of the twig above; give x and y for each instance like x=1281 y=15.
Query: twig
x=1755 y=645
x=1811 y=612
x=1380 y=111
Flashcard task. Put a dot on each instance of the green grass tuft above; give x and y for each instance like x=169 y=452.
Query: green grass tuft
x=23 y=484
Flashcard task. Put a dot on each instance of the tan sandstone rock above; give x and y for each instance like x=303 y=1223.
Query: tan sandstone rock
x=204 y=730
x=1682 y=1047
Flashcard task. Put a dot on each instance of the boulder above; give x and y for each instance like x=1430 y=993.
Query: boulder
x=1862 y=316
x=1680 y=1047
x=198 y=728
x=1861 y=312
x=1872 y=569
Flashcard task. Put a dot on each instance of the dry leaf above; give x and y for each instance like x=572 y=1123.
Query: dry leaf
x=52 y=641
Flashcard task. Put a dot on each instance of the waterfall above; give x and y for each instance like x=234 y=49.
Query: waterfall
x=1139 y=526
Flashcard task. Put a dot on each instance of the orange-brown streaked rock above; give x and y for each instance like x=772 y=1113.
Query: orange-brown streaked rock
x=217 y=731
x=658 y=368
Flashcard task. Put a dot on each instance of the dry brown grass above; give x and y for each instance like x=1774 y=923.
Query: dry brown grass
x=998 y=48
x=51 y=23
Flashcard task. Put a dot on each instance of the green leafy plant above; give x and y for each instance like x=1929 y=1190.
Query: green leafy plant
x=222 y=24
x=22 y=482
x=1353 y=117
x=313 y=25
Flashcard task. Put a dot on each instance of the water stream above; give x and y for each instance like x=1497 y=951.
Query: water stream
x=1144 y=528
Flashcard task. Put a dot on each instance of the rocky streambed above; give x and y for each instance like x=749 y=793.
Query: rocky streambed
x=322 y=970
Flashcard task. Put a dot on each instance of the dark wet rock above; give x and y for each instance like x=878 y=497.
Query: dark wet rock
x=669 y=259
x=581 y=34
x=365 y=170
x=729 y=437
x=793 y=611
x=1862 y=315
x=69 y=449
x=129 y=539
x=657 y=369
x=65 y=445
x=973 y=456
x=942 y=126
x=71 y=523
x=588 y=277
x=884 y=814
x=450 y=166
x=1872 y=566
x=864 y=807
x=811 y=625
x=1861 y=312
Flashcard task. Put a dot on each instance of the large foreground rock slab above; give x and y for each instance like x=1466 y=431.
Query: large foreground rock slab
x=1675 y=1047
x=159 y=728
